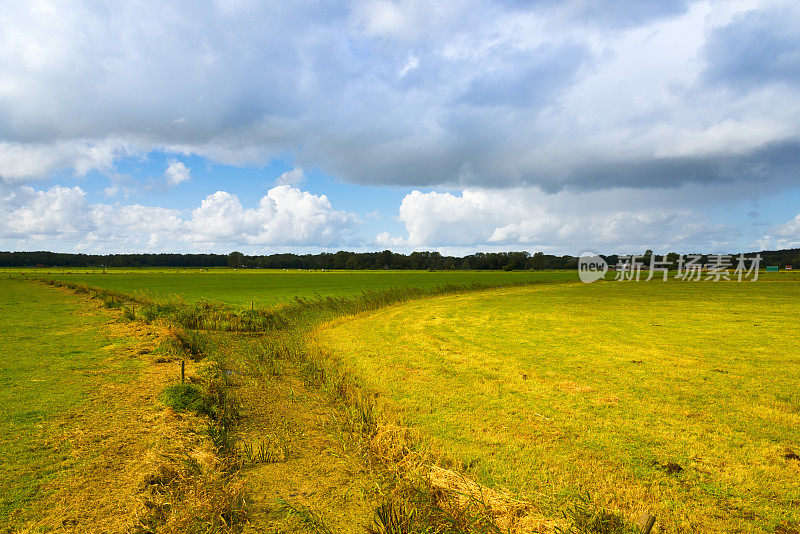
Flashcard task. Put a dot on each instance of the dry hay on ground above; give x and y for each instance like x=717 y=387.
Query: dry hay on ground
x=128 y=455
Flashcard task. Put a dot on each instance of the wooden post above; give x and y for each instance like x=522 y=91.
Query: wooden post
x=646 y=522
x=183 y=371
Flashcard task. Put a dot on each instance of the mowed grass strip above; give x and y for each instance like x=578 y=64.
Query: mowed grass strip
x=679 y=398
x=263 y=288
x=51 y=350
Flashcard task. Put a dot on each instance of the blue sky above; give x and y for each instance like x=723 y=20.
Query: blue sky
x=372 y=124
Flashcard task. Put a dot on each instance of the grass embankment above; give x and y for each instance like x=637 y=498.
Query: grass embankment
x=296 y=316
x=681 y=398
x=265 y=288
x=395 y=481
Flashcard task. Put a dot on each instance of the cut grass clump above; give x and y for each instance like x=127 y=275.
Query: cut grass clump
x=192 y=499
x=185 y=397
x=444 y=501
x=110 y=301
x=183 y=344
x=169 y=350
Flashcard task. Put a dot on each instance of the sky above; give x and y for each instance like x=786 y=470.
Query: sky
x=472 y=125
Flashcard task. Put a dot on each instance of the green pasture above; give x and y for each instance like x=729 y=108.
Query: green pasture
x=680 y=398
x=51 y=348
x=262 y=288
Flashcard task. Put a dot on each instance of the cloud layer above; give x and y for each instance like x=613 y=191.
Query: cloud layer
x=551 y=125
x=472 y=94
x=528 y=218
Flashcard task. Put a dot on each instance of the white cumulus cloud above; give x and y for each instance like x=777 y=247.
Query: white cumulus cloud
x=293 y=177
x=177 y=172
x=285 y=216
x=564 y=222
x=58 y=211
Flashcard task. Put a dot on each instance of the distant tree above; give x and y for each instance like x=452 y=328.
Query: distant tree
x=537 y=261
x=384 y=259
x=673 y=258
x=235 y=259
x=343 y=260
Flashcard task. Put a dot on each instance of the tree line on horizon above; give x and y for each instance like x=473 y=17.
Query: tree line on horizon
x=342 y=260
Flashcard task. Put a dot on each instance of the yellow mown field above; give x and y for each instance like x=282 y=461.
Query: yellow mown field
x=679 y=398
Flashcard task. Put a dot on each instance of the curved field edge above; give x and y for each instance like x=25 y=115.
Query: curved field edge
x=675 y=398
x=300 y=314
x=431 y=500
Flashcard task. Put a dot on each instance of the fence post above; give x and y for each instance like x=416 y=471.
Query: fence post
x=646 y=522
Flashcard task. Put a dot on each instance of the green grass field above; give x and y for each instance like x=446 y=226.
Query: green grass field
x=680 y=398
x=51 y=348
x=268 y=287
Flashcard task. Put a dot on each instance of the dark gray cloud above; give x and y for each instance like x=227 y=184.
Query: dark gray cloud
x=775 y=163
x=757 y=48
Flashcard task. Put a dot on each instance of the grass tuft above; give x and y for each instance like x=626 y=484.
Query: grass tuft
x=392 y=517
x=185 y=397
x=584 y=517
x=196 y=344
